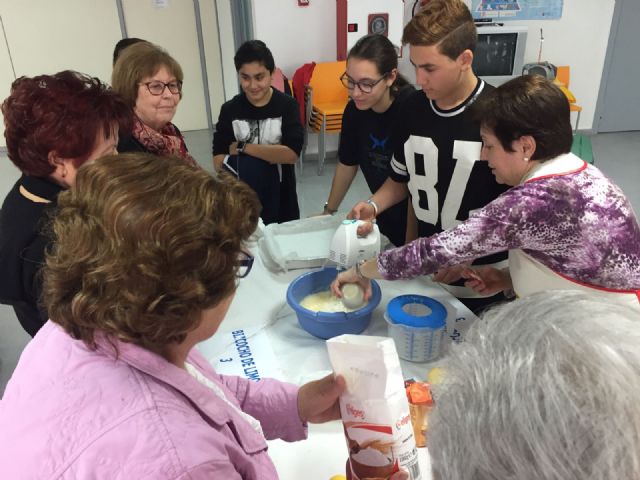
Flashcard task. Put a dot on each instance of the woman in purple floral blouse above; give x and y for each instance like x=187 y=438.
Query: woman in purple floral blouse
x=564 y=223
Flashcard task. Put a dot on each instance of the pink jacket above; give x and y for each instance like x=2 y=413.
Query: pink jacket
x=69 y=413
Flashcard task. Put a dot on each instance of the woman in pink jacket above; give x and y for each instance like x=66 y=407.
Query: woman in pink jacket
x=146 y=262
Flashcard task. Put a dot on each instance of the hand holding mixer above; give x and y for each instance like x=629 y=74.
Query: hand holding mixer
x=347 y=247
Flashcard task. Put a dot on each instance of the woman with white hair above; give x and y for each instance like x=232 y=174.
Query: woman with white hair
x=546 y=387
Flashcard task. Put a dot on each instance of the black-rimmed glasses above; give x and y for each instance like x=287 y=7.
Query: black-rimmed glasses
x=157 y=87
x=365 y=86
x=245 y=262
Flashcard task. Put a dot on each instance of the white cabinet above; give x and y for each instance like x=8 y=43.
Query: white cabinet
x=47 y=37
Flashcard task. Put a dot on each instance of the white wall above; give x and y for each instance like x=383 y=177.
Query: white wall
x=297 y=35
x=579 y=39
x=47 y=37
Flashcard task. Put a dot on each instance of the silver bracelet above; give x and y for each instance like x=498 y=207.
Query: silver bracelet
x=375 y=207
x=359 y=273
x=328 y=210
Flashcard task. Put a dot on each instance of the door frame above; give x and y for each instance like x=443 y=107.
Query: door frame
x=606 y=68
x=242 y=21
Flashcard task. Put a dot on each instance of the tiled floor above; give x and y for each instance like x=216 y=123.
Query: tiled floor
x=616 y=154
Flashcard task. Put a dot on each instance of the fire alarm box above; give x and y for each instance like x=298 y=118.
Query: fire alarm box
x=357 y=18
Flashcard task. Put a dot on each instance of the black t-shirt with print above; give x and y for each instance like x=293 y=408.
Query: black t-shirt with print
x=438 y=153
x=276 y=123
x=365 y=141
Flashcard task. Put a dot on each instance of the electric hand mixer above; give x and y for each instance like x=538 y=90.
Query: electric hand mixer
x=347 y=248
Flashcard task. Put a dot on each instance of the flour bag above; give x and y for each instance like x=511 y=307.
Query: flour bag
x=374 y=407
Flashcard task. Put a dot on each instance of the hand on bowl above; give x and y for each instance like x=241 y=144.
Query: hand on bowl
x=352 y=295
x=350 y=276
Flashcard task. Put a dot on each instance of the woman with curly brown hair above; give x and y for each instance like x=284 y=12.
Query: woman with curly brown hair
x=148 y=253
x=53 y=124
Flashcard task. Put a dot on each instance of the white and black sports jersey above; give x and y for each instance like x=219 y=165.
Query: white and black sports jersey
x=276 y=123
x=438 y=153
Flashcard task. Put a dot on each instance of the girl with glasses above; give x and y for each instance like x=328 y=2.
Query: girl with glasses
x=377 y=90
x=150 y=81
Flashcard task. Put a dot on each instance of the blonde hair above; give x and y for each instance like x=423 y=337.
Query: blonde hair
x=445 y=23
x=143 y=244
x=137 y=61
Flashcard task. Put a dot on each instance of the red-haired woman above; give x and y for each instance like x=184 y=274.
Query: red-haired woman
x=53 y=124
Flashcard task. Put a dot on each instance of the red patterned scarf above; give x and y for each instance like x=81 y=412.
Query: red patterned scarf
x=167 y=141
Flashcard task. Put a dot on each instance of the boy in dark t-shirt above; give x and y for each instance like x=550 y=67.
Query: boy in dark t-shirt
x=259 y=136
x=437 y=145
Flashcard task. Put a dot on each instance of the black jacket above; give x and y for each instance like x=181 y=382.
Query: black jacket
x=23 y=242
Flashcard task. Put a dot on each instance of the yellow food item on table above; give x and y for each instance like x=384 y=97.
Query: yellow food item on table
x=435 y=376
x=324 y=302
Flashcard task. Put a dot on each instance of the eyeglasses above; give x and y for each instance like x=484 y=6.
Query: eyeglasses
x=365 y=86
x=245 y=262
x=157 y=87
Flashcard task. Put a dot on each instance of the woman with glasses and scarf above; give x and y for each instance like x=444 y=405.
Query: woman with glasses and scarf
x=150 y=81
x=146 y=262
x=377 y=90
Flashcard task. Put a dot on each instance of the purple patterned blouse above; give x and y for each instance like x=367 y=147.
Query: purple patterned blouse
x=578 y=224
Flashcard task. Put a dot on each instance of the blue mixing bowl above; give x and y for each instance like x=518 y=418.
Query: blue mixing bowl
x=322 y=324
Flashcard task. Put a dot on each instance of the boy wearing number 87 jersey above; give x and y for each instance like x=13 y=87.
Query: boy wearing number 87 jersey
x=437 y=144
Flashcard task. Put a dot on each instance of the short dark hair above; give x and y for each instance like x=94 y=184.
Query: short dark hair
x=379 y=50
x=124 y=43
x=61 y=113
x=254 y=51
x=528 y=105
x=445 y=23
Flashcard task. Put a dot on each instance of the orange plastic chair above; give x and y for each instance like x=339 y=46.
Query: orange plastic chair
x=563 y=76
x=325 y=99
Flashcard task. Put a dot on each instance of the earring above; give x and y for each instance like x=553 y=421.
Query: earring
x=526 y=159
